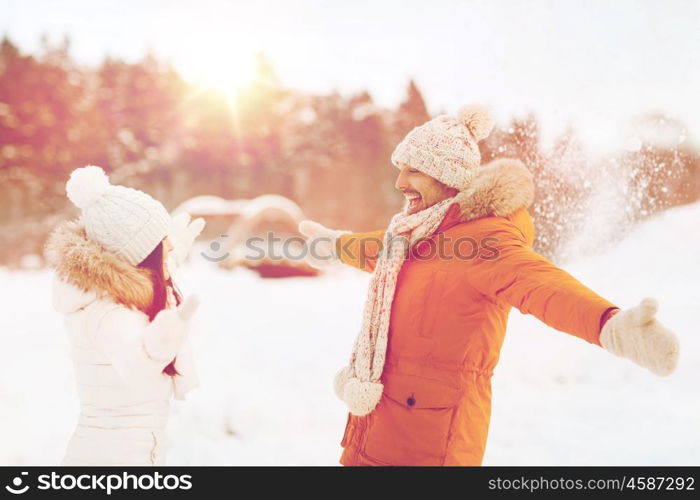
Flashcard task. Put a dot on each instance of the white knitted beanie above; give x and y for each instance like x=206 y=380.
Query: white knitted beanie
x=125 y=221
x=445 y=148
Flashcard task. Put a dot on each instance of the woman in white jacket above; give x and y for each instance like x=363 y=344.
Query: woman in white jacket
x=126 y=320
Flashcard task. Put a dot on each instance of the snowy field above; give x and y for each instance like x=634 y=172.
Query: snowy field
x=267 y=351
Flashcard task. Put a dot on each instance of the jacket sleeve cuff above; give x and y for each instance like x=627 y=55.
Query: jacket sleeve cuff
x=607 y=314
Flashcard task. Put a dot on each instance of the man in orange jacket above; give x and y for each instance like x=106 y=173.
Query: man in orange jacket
x=445 y=275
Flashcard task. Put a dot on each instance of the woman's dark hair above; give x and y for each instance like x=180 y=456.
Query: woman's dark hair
x=154 y=263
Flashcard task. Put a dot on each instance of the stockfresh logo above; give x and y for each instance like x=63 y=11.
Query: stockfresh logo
x=17 y=486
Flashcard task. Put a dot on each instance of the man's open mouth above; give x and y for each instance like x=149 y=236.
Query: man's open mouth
x=413 y=200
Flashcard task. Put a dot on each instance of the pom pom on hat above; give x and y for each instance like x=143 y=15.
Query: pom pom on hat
x=477 y=119
x=86 y=185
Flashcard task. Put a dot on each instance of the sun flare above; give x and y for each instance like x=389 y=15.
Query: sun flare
x=226 y=74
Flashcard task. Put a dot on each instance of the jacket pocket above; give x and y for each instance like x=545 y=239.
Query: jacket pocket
x=412 y=423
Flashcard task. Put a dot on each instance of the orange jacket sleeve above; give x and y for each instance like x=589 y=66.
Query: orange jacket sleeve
x=507 y=268
x=360 y=250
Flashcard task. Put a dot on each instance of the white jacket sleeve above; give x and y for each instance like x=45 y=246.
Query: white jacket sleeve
x=137 y=348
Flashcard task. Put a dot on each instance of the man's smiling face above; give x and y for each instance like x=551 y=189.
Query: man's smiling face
x=420 y=190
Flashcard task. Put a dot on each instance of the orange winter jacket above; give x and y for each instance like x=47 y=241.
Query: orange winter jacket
x=448 y=321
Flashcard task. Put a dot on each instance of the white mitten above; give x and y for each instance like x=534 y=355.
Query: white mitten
x=166 y=333
x=182 y=234
x=320 y=244
x=635 y=334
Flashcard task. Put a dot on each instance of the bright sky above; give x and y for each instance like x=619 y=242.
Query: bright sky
x=594 y=63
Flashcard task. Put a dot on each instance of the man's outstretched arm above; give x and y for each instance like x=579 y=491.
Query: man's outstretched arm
x=326 y=246
x=361 y=250
x=510 y=270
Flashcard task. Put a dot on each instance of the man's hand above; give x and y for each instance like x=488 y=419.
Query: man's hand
x=182 y=234
x=635 y=334
x=320 y=244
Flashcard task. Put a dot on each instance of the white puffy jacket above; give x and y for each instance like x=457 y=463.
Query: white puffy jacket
x=118 y=355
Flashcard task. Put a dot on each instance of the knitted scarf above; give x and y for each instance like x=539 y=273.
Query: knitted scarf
x=358 y=384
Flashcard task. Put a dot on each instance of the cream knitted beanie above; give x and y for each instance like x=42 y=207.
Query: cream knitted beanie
x=445 y=147
x=125 y=221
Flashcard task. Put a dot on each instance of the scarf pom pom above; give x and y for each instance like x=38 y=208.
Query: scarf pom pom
x=362 y=397
x=341 y=378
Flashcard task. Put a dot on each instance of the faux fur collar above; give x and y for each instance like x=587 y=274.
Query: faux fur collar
x=89 y=267
x=499 y=188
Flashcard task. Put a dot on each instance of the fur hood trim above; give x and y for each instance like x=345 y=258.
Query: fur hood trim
x=499 y=188
x=86 y=265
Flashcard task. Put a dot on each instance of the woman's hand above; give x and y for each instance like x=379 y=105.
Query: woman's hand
x=168 y=329
x=187 y=308
x=182 y=234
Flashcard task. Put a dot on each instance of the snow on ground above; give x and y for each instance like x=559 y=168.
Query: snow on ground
x=267 y=351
